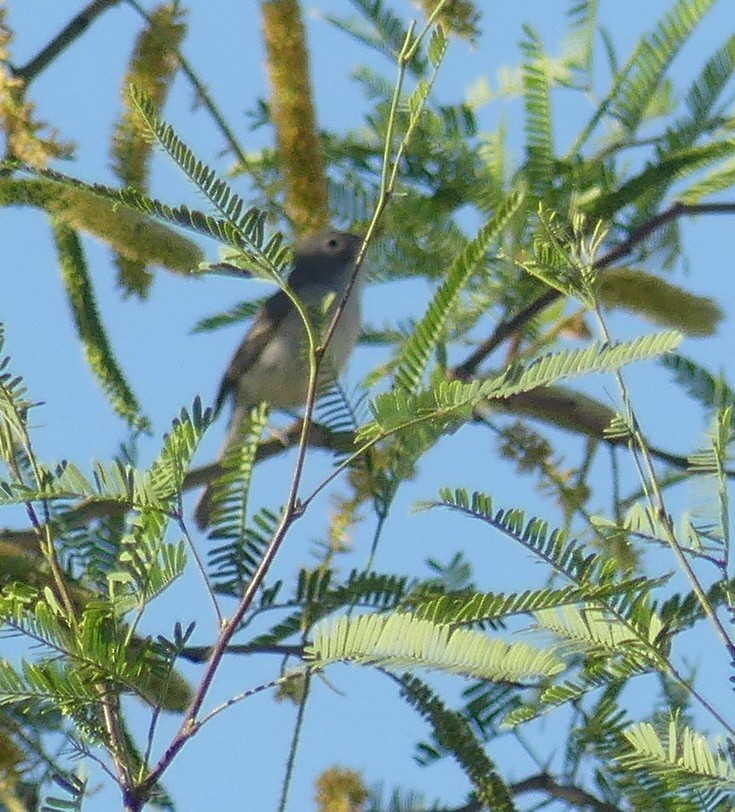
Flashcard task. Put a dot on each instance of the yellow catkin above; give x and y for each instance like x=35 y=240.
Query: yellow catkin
x=292 y=109
x=152 y=68
x=340 y=790
x=458 y=16
x=26 y=138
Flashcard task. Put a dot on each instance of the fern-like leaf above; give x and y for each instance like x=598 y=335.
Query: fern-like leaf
x=230 y=490
x=684 y=762
x=235 y=315
x=711 y=391
x=539 y=167
x=658 y=176
x=455 y=735
x=596 y=358
x=648 y=64
x=401 y=641
x=44 y=687
x=248 y=222
x=554 y=547
x=478 y=607
x=719 y=179
x=411 y=364
x=701 y=98
x=450 y=403
x=388 y=33
x=167 y=473
x=147 y=563
x=234 y=563
x=13 y=408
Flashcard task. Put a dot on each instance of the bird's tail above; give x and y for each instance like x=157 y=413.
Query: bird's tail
x=236 y=434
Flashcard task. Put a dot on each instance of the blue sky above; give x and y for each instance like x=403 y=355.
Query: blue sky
x=354 y=719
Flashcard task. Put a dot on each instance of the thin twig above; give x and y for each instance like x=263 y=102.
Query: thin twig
x=293 y=510
x=295 y=739
x=644 y=463
x=200 y=654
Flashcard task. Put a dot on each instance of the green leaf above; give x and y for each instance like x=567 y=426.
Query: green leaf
x=658 y=175
x=45 y=687
x=402 y=640
x=437 y=47
x=703 y=93
x=415 y=355
x=591 y=628
x=230 y=490
x=712 y=391
x=598 y=357
x=539 y=167
x=166 y=475
x=484 y=606
x=247 y=222
x=385 y=32
x=13 y=408
x=683 y=760
x=642 y=76
x=444 y=407
x=455 y=735
x=720 y=179
x=235 y=315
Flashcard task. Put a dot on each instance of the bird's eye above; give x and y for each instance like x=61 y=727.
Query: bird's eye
x=332 y=242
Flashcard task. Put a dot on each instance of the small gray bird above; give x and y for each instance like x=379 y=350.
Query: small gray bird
x=271 y=364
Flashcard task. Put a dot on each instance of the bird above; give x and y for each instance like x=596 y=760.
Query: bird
x=270 y=363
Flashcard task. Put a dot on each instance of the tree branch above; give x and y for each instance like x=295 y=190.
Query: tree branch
x=68 y=34
x=200 y=654
x=24 y=541
x=564 y=792
x=509 y=327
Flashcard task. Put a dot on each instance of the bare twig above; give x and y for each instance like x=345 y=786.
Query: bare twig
x=292 y=511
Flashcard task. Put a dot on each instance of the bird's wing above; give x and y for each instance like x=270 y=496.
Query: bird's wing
x=265 y=322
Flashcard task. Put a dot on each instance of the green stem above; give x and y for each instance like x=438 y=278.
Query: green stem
x=298 y=727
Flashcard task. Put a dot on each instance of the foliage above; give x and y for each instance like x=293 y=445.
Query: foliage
x=560 y=237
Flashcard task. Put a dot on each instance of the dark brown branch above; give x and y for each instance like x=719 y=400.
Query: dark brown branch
x=546 y=784
x=26 y=540
x=79 y=516
x=507 y=328
x=68 y=34
x=564 y=792
x=200 y=654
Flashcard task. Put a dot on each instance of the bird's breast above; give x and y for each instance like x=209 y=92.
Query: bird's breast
x=280 y=374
